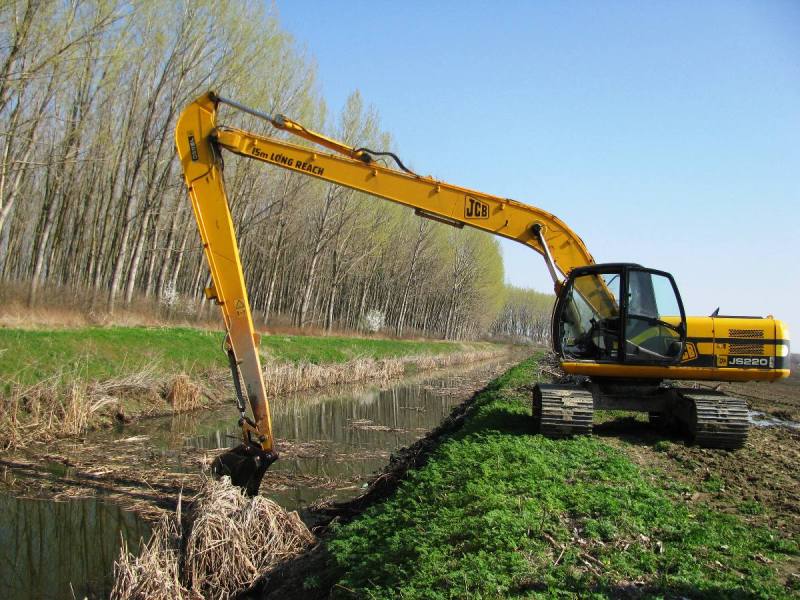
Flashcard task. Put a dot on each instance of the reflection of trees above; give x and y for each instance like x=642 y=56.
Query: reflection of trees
x=408 y=407
x=48 y=545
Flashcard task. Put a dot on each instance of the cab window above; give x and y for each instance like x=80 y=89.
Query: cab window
x=590 y=320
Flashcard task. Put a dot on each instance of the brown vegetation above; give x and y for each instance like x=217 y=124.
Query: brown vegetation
x=223 y=545
x=53 y=408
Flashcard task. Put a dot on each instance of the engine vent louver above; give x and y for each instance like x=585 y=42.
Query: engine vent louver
x=748 y=345
x=750 y=334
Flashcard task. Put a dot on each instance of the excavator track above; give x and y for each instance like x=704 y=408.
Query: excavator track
x=562 y=410
x=715 y=420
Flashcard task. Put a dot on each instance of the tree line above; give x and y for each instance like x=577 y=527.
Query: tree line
x=91 y=196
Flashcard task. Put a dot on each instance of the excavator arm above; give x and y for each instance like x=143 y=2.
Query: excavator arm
x=199 y=141
x=202 y=169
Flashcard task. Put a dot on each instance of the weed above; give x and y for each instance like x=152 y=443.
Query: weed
x=713 y=484
x=751 y=507
x=662 y=446
x=498 y=512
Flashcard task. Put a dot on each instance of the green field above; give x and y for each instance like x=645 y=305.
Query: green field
x=497 y=512
x=96 y=353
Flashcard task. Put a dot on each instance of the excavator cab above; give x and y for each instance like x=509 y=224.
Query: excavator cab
x=620 y=313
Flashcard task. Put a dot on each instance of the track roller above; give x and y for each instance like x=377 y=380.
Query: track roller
x=562 y=410
x=715 y=420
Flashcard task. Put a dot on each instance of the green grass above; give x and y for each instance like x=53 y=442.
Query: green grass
x=294 y=348
x=475 y=522
x=96 y=353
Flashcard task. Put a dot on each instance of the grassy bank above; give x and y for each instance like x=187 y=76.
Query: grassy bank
x=97 y=353
x=498 y=512
x=67 y=381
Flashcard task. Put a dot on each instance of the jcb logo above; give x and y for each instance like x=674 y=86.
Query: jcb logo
x=475 y=209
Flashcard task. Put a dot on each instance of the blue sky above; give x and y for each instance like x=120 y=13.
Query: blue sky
x=666 y=134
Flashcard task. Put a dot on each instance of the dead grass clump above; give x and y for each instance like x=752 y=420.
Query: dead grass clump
x=155 y=573
x=228 y=542
x=67 y=405
x=183 y=394
x=47 y=409
x=235 y=539
x=77 y=409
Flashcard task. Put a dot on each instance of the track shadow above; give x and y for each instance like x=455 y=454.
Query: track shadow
x=634 y=431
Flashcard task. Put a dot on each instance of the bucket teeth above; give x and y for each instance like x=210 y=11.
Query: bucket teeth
x=561 y=411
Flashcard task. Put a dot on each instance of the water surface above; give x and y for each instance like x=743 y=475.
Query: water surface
x=332 y=442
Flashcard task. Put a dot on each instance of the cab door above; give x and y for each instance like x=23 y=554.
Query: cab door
x=655 y=323
x=620 y=313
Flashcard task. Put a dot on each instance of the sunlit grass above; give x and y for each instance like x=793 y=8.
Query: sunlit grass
x=499 y=512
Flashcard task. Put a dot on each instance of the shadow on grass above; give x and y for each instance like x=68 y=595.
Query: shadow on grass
x=638 y=433
x=626 y=428
x=633 y=591
x=502 y=421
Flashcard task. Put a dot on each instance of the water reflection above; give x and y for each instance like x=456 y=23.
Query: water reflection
x=52 y=549
x=348 y=433
x=331 y=444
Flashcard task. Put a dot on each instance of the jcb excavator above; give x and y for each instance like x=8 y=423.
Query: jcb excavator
x=620 y=327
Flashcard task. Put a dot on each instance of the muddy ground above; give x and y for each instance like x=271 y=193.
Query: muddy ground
x=760 y=482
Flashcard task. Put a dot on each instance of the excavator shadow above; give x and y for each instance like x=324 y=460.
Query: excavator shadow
x=633 y=430
x=625 y=427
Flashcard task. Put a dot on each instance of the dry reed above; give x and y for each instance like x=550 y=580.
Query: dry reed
x=228 y=542
x=284 y=378
x=64 y=405
x=183 y=394
x=155 y=573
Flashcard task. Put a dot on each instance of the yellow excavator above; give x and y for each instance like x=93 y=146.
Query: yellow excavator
x=619 y=328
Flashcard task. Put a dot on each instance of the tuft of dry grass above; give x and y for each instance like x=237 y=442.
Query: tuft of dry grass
x=155 y=573
x=183 y=394
x=65 y=405
x=226 y=543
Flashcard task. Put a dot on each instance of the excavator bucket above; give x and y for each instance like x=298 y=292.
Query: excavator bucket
x=246 y=465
